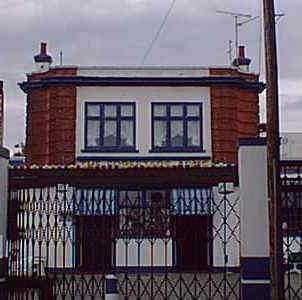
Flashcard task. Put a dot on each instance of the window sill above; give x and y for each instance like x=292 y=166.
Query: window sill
x=110 y=150
x=177 y=150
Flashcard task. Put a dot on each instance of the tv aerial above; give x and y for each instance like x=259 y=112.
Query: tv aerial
x=239 y=20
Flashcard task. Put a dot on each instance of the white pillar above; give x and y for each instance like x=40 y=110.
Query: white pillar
x=4 y=160
x=255 y=260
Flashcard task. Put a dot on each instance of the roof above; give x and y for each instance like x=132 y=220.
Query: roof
x=139 y=68
x=203 y=81
x=111 y=165
x=126 y=173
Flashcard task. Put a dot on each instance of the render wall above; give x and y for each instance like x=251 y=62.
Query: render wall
x=143 y=97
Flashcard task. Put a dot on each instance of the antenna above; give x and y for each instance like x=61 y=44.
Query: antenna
x=61 y=58
x=239 y=20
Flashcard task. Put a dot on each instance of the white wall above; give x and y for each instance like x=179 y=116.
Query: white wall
x=254 y=201
x=143 y=97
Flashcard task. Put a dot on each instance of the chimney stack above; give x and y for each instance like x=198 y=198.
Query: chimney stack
x=43 y=60
x=241 y=52
x=241 y=62
x=43 y=49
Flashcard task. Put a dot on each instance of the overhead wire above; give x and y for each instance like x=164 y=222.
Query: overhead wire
x=162 y=25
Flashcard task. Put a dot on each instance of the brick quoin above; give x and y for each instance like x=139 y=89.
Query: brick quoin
x=51 y=121
x=235 y=115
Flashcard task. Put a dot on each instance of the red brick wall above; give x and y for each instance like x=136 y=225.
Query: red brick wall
x=235 y=115
x=51 y=118
x=53 y=73
x=37 y=127
x=62 y=125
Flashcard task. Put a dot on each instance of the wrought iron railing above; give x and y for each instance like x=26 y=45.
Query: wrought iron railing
x=166 y=233
x=291 y=204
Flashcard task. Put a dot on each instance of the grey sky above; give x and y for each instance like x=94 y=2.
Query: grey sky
x=117 y=32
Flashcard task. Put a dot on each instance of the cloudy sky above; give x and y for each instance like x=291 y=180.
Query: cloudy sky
x=118 y=32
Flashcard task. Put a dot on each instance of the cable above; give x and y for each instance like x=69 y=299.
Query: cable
x=149 y=49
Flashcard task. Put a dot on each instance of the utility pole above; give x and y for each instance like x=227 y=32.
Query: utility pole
x=273 y=150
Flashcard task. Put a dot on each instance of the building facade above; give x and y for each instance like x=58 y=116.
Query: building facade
x=136 y=113
x=1 y=113
x=146 y=203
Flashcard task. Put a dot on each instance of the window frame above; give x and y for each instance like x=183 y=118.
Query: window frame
x=102 y=119
x=168 y=119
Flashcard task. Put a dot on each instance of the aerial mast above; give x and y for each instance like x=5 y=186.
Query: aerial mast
x=239 y=20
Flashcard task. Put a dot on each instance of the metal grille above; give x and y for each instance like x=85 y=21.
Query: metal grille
x=291 y=200
x=175 y=241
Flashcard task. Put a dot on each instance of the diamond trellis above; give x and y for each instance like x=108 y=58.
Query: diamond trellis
x=174 y=241
x=291 y=223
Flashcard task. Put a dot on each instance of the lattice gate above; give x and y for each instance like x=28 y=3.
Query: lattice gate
x=291 y=205
x=165 y=236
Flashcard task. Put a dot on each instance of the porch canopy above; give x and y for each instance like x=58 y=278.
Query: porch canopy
x=125 y=173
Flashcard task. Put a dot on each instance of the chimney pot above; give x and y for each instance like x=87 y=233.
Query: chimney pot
x=241 y=52
x=43 y=48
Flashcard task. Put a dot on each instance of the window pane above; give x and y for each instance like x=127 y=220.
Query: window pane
x=176 y=110
x=127 y=138
x=177 y=133
x=160 y=133
x=193 y=110
x=193 y=133
x=93 y=133
x=160 y=110
x=127 y=110
x=110 y=111
x=93 y=110
x=110 y=133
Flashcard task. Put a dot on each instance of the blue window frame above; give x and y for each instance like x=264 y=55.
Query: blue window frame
x=110 y=127
x=177 y=127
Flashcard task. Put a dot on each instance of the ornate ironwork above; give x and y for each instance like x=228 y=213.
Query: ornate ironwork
x=173 y=241
x=291 y=200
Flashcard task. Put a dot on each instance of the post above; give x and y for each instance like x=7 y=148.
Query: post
x=111 y=292
x=4 y=160
x=273 y=151
x=254 y=220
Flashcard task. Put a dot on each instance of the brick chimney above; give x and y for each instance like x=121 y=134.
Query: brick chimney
x=42 y=60
x=242 y=62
